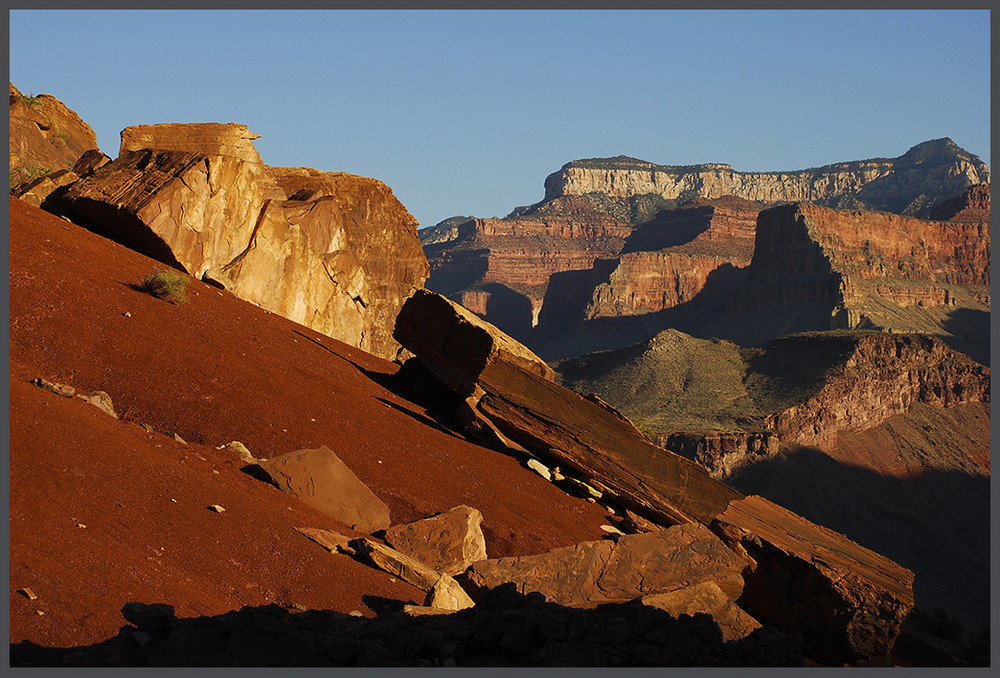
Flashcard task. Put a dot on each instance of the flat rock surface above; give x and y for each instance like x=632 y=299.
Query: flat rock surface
x=319 y=478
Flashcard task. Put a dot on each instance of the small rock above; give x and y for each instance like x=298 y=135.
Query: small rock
x=101 y=400
x=556 y=474
x=297 y=606
x=178 y=439
x=59 y=389
x=613 y=531
x=27 y=593
x=127 y=314
x=539 y=468
x=241 y=451
x=216 y=508
x=356 y=613
x=80 y=525
x=40 y=613
x=448 y=594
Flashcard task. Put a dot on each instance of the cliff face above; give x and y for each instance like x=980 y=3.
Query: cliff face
x=501 y=268
x=340 y=257
x=866 y=269
x=667 y=262
x=910 y=184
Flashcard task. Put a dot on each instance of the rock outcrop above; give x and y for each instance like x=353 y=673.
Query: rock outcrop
x=319 y=478
x=589 y=439
x=726 y=406
x=844 y=605
x=45 y=137
x=198 y=197
x=910 y=184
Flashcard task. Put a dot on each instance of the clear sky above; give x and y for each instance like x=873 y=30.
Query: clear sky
x=467 y=112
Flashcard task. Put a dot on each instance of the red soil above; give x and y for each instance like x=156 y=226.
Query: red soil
x=104 y=512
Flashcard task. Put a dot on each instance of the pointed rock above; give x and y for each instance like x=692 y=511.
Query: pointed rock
x=448 y=594
x=100 y=400
x=706 y=598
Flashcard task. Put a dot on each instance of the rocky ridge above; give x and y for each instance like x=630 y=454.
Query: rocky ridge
x=911 y=184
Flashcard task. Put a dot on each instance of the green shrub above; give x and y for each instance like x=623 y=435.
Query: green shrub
x=22 y=174
x=167 y=285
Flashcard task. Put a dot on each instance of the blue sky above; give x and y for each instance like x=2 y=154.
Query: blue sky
x=467 y=112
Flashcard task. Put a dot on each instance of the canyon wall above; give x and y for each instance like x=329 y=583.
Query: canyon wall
x=910 y=184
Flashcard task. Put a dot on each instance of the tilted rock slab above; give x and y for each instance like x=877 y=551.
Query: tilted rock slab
x=456 y=345
x=198 y=197
x=847 y=602
x=513 y=391
x=631 y=567
x=448 y=542
x=600 y=445
x=410 y=570
x=319 y=478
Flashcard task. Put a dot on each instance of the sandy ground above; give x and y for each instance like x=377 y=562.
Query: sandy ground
x=105 y=511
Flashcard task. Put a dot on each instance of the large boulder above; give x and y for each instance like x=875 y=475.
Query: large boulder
x=847 y=602
x=448 y=542
x=45 y=136
x=456 y=345
x=198 y=197
x=632 y=567
x=319 y=478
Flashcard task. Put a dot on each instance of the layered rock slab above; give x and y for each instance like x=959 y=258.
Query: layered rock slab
x=846 y=601
x=629 y=568
x=201 y=200
x=319 y=478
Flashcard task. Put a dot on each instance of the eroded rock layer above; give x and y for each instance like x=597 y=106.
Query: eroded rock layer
x=340 y=256
x=910 y=184
x=45 y=137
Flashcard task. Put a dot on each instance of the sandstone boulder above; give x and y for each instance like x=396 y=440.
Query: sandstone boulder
x=448 y=594
x=448 y=542
x=45 y=136
x=629 y=568
x=456 y=345
x=198 y=197
x=847 y=601
x=101 y=401
x=319 y=478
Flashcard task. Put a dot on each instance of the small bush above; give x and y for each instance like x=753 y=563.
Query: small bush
x=23 y=174
x=167 y=285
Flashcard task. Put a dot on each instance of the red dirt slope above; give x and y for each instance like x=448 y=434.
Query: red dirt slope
x=213 y=370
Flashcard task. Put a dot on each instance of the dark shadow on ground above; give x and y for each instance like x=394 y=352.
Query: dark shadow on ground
x=505 y=628
x=935 y=524
x=969 y=331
